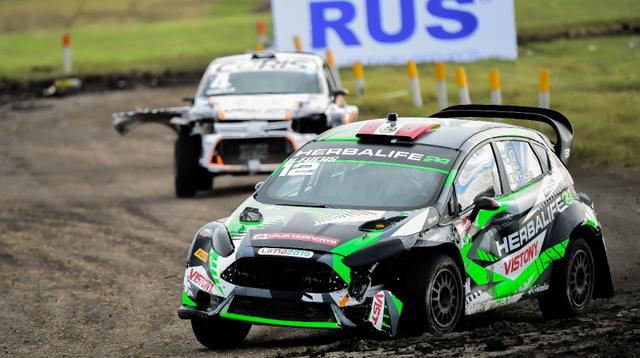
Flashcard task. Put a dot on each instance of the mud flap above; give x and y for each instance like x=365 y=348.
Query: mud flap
x=124 y=122
x=385 y=312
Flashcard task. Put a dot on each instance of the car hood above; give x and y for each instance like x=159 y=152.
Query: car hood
x=266 y=107
x=316 y=229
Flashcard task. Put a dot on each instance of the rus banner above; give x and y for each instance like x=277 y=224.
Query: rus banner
x=395 y=31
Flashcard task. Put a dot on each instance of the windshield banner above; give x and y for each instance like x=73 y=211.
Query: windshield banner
x=395 y=31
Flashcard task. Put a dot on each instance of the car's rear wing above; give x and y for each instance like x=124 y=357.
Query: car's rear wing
x=560 y=124
x=124 y=122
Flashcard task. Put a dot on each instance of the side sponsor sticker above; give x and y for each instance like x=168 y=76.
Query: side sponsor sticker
x=201 y=254
x=377 y=310
x=198 y=277
x=270 y=251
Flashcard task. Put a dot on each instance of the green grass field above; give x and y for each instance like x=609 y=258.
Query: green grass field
x=595 y=81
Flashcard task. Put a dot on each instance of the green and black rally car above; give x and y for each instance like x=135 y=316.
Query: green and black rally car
x=402 y=225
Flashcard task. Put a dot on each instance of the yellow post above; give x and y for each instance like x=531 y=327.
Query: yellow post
x=544 y=96
x=297 y=43
x=494 y=85
x=358 y=73
x=441 y=86
x=414 y=83
x=260 y=47
x=331 y=62
x=463 y=86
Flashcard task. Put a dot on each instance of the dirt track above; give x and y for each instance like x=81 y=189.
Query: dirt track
x=92 y=247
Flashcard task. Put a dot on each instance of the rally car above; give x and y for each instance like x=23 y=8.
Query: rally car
x=402 y=225
x=250 y=112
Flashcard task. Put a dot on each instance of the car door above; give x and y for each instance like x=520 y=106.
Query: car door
x=506 y=242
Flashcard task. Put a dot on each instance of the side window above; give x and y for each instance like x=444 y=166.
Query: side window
x=478 y=177
x=329 y=77
x=520 y=163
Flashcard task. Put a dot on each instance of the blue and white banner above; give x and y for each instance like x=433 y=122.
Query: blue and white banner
x=395 y=31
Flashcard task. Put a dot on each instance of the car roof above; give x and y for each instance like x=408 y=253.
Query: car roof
x=270 y=55
x=452 y=133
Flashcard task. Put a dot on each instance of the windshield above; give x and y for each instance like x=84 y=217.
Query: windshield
x=359 y=176
x=261 y=82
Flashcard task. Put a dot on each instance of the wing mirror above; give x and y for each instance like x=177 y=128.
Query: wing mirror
x=483 y=203
x=258 y=185
x=340 y=92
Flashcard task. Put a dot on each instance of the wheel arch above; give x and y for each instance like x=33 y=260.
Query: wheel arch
x=446 y=248
x=593 y=237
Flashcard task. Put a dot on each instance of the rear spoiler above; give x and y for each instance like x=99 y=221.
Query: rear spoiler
x=560 y=124
x=124 y=122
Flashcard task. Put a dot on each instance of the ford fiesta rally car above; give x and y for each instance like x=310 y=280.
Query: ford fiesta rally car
x=402 y=225
x=250 y=112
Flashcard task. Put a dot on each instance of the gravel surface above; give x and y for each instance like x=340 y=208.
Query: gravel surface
x=93 y=241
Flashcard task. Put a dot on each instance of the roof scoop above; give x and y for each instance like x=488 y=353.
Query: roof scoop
x=391 y=129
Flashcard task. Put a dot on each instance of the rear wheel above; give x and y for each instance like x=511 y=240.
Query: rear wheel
x=220 y=333
x=434 y=296
x=189 y=175
x=572 y=283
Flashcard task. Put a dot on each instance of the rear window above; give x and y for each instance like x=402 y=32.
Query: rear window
x=359 y=176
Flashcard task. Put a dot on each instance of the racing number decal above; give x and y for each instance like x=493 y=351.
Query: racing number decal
x=299 y=169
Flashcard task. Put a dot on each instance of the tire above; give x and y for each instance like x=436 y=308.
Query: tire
x=433 y=295
x=572 y=283
x=189 y=175
x=220 y=333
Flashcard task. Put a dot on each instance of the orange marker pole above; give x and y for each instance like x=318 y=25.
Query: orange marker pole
x=67 y=62
x=297 y=43
x=358 y=72
x=441 y=86
x=331 y=62
x=414 y=84
x=262 y=35
x=463 y=85
x=544 y=96
x=494 y=85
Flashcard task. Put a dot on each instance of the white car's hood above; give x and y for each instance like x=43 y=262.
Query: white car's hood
x=267 y=106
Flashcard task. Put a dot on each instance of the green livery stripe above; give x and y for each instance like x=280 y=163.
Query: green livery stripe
x=280 y=167
x=279 y=322
x=450 y=178
x=187 y=301
x=592 y=223
x=397 y=302
x=349 y=247
x=390 y=164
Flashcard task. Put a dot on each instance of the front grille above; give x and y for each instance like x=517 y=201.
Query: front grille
x=283 y=310
x=268 y=150
x=283 y=274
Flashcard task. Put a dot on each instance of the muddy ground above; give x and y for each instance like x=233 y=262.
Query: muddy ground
x=93 y=242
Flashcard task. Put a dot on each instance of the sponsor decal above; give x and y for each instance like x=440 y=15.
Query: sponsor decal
x=198 y=277
x=522 y=258
x=267 y=64
x=539 y=288
x=368 y=152
x=270 y=251
x=531 y=228
x=201 y=254
x=377 y=310
x=315 y=239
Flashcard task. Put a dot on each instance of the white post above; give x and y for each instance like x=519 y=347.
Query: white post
x=358 y=72
x=331 y=62
x=262 y=37
x=67 y=62
x=441 y=86
x=463 y=85
x=414 y=84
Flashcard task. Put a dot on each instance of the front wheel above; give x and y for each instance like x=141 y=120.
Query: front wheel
x=189 y=175
x=572 y=283
x=220 y=333
x=434 y=296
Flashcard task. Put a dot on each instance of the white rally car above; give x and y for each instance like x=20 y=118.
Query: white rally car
x=250 y=112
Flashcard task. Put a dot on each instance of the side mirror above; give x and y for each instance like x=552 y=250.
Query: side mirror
x=483 y=203
x=222 y=243
x=340 y=92
x=188 y=99
x=258 y=185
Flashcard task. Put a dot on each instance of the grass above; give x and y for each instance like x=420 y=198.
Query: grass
x=595 y=82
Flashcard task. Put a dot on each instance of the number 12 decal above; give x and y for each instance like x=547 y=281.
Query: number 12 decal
x=299 y=169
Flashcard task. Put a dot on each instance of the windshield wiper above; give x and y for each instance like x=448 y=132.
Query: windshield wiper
x=307 y=205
